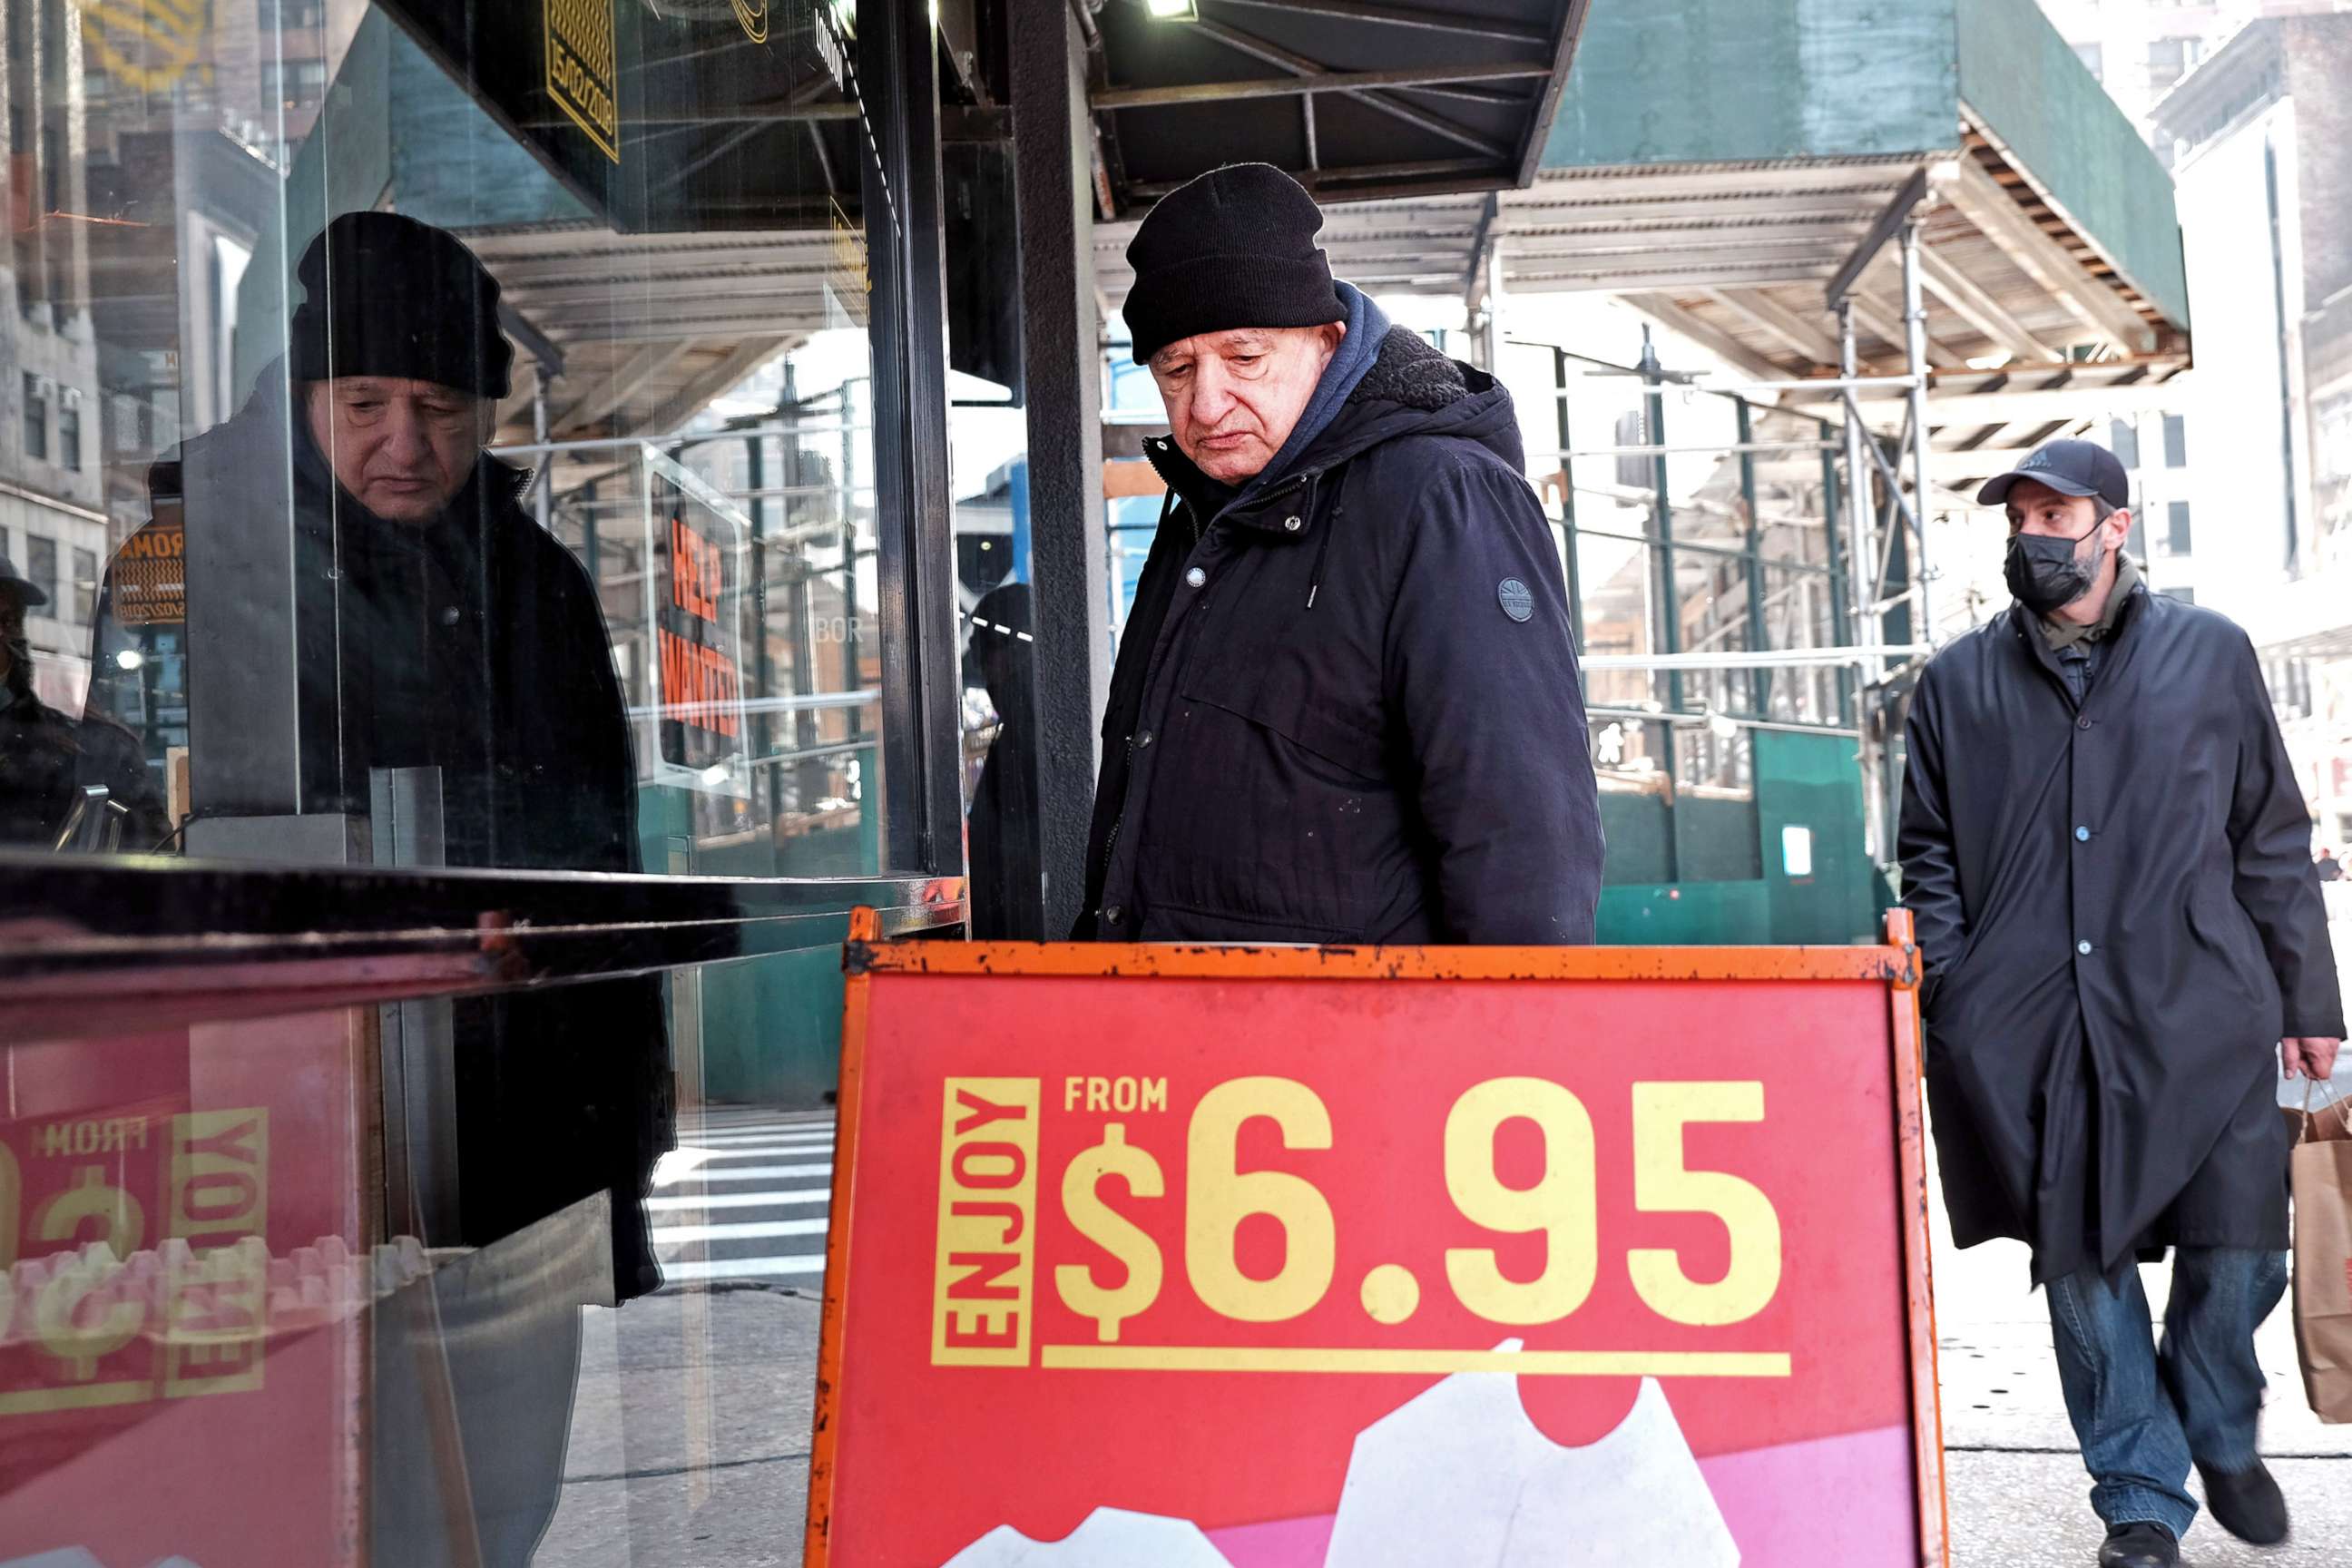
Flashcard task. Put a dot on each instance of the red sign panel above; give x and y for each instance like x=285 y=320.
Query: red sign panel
x=183 y=1278
x=1222 y=1258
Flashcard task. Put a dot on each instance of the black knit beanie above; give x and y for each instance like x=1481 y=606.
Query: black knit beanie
x=1235 y=247
x=387 y=295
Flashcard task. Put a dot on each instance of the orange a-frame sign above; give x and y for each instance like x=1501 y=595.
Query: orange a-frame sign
x=1227 y=1258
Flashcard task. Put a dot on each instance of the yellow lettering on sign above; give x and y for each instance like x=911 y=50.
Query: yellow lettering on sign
x=982 y=1302
x=215 y=1323
x=1124 y=1095
x=583 y=68
x=1664 y=1184
x=1218 y=1197
x=1562 y=1203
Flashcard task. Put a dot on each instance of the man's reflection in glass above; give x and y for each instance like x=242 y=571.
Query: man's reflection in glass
x=468 y=640
x=1001 y=829
x=63 y=783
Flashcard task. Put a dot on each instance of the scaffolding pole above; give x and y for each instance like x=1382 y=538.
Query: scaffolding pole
x=1859 y=553
x=1862 y=556
x=1670 y=590
x=1915 y=333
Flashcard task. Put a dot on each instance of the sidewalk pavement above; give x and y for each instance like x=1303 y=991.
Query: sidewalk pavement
x=2019 y=1495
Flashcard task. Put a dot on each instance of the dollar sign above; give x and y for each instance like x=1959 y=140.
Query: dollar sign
x=121 y=1221
x=1111 y=1231
x=83 y=1345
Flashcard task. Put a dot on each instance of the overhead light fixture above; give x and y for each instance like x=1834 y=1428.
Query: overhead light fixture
x=1173 y=10
x=130 y=659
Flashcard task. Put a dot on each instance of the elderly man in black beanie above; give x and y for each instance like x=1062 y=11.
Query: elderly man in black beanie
x=1347 y=705
x=440 y=626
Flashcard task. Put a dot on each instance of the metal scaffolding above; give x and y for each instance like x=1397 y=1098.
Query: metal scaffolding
x=1872 y=515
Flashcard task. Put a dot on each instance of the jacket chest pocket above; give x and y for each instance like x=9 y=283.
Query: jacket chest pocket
x=1327 y=712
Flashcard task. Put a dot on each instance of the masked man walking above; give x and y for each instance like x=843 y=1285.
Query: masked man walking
x=2109 y=860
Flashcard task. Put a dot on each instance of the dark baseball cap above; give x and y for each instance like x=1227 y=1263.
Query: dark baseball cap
x=2070 y=468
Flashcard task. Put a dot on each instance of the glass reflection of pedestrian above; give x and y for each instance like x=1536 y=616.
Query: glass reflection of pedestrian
x=48 y=760
x=2330 y=869
x=468 y=640
x=1002 y=825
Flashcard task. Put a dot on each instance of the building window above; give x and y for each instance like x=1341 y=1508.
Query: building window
x=69 y=438
x=293 y=84
x=36 y=418
x=2169 y=59
x=2123 y=438
x=2093 y=58
x=2176 y=441
x=85 y=587
x=41 y=567
x=2176 y=538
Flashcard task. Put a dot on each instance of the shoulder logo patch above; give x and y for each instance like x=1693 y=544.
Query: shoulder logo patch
x=1516 y=602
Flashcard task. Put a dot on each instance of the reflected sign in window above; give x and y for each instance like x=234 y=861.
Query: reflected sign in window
x=696 y=539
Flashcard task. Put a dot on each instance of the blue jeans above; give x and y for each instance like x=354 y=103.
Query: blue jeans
x=2143 y=1413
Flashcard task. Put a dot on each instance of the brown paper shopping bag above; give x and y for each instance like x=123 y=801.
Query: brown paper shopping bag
x=2323 y=1258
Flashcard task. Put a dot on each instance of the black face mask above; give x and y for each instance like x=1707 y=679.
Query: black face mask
x=2046 y=574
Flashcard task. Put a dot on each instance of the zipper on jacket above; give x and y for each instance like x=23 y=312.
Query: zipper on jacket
x=1110 y=843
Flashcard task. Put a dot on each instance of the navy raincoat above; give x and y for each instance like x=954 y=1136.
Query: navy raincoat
x=2121 y=920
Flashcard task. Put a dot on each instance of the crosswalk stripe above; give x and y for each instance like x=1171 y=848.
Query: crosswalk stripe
x=734 y=1187
x=713 y=1137
x=783 y=1199
x=746 y=1230
x=740 y=1152
x=744 y=1268
x=749 y=1174
x=766 y=1135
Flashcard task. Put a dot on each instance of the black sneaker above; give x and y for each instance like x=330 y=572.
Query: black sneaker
x=2247 y=1504
x=2140 y=1546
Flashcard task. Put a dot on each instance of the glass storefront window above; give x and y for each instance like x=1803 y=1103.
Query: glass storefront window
x=453 y=459
x=486 y=396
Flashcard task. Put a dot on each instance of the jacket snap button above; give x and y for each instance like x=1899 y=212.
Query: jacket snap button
x=2084 y=948
x=1112 y=914
x=2083 y=723
x=2082 y=836
x=1143 y=740
x=1291 y=525
x=1195 y=578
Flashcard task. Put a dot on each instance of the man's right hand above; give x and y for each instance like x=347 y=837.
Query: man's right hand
x=2312 y=1055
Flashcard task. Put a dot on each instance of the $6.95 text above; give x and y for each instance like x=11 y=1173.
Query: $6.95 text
x=1562 y=1204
